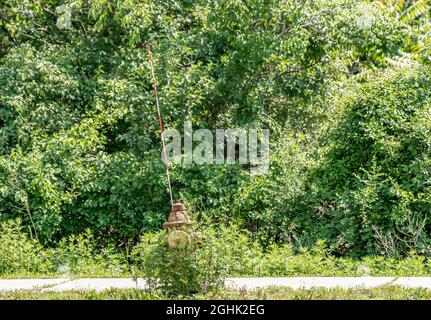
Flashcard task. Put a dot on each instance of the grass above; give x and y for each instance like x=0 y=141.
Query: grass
x=273 y=293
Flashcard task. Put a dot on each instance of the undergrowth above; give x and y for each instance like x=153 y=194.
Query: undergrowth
x=216 y=253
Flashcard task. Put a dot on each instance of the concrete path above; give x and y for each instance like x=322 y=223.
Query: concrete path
x=413 y=282
x=100 y=284
x=309 y=282
x=27 y=284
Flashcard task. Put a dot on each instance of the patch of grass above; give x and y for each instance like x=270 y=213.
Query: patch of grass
x=388 y=292
x=272 y=293
x=112 y=294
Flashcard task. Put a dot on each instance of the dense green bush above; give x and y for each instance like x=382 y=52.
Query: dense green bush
x=264 y=204
x=21 y=255
x=371 y=191
x=201 y=267
x=79 y=145
x=363 y=184
x=79 y=139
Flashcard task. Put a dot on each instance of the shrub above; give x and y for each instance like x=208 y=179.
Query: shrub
x=371 y=193
x=74 y=255
x=21 y=255
x=201 y=267
x=80 y=255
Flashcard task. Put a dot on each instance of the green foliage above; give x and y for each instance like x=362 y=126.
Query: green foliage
x=79 y=255
x=217 y=253
x=265 y=204
x=19 y=254
x=79 y=142
x=79 y=139
x=75 y=255
x=373 y=182
x=201 y=267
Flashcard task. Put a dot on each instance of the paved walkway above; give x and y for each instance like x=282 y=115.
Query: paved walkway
x=98 y=284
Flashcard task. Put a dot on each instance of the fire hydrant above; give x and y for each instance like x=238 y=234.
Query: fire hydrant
x=178 y=225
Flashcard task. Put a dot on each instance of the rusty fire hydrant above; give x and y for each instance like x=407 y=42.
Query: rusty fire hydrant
x=178 y=226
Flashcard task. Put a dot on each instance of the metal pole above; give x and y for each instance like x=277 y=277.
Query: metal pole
x=162 y=135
